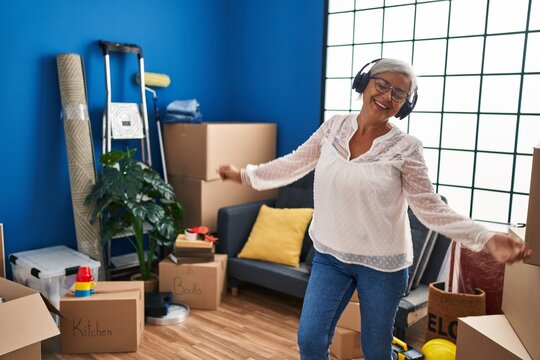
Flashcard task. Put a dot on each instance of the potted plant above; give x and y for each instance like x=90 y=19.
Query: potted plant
x=125 y=197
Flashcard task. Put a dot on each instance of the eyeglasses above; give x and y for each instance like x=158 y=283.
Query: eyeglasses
x=383 y=86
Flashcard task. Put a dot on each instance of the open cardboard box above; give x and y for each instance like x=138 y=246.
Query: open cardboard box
x=111 y=320
x=521 y=300
x=488 y=337
x=25 y=320
x=532 y=236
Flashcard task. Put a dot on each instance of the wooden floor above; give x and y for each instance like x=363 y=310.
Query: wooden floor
x=256 y=324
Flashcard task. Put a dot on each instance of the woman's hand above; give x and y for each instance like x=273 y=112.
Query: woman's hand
x=229 y=172
x=506 y=249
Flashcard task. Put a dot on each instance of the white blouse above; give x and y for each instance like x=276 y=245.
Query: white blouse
x=360 y=214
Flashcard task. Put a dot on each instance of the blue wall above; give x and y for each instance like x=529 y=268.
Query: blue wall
x=244 y=60
x=276 y=62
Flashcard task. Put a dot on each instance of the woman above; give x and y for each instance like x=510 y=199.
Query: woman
x=367 y=172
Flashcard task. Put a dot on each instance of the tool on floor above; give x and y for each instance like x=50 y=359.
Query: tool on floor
x=401 y=351
x=155 y=80
x=159 y=309
x=124 y=120
x=156 y=304
x=439 y=349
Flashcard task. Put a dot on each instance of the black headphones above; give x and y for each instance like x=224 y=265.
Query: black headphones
x=360 y=83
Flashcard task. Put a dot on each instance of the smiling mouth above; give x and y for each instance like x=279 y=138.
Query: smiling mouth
x=381 y=105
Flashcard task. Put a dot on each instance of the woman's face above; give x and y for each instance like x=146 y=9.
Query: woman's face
x=385 y=104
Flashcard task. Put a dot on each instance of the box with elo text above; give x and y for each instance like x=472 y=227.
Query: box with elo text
x=199 y=285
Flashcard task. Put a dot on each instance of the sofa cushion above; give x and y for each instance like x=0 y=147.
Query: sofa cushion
x=422 y=241
x=277 y=235
x=299 y=194
x=309 y=258
x=307 y=245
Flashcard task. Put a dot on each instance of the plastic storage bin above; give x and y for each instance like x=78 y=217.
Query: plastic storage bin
x=51 y=271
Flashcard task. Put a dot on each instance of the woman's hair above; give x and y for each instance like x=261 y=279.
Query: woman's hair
x=395 y=65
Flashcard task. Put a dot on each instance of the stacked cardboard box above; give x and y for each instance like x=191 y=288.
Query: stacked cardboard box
x=346 y=343
x=521 y=294
x=521 y=298
x=532 y=236
x=194 y=152
x=513 y=335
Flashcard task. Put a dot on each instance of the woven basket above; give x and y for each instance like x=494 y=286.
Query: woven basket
x=445 y=307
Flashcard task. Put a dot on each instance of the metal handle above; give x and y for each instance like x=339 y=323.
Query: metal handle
x=109 y=46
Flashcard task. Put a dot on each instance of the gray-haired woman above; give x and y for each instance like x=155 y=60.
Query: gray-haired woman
x=367 y=172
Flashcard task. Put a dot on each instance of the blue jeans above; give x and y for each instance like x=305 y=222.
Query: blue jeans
x=331 y=285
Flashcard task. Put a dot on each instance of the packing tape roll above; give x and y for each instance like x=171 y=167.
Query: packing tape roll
x=80 y=153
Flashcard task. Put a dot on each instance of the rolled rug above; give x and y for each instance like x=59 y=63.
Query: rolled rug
x=80 y=153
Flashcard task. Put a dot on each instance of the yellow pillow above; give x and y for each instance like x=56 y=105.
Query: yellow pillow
x=277 y=235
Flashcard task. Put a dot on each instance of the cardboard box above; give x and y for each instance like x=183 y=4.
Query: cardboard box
x=521 y=304
x=111 y=320
x=346 y=344
x=354 y=297
x=202 y=199
x=532 y=236
x=350 y=318
x=196 y=150
x=201 y=286
x=488 y=337
x=25 y=322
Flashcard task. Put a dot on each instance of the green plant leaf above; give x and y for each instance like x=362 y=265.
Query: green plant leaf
x=114 y=156
x=126 y=195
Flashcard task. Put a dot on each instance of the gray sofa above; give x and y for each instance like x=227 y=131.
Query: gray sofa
x=234 y=227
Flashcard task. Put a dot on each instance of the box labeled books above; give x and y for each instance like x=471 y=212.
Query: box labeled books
x=199 y=285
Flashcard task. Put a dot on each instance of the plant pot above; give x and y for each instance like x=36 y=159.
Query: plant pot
x=150 y=285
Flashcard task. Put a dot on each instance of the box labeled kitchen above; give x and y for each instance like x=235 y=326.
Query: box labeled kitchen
x=110 y=320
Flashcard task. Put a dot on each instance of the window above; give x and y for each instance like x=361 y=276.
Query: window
x=478 y=67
